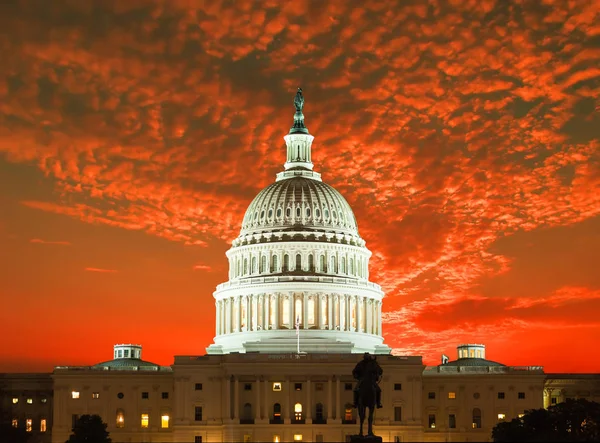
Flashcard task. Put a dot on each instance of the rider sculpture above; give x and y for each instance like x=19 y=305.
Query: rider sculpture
x=368 y=365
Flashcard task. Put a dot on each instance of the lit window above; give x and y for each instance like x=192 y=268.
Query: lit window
x=297 y=437
x=501 y=417
x=15 y=423
x=276 y=439
x=432 y=421
x=521 y=415
x=30 y=401
x=15 y=400
x=451 y=394
x=44 y=400
x=120 y=419
x=348 y=413
x=247 y=438
x=144 y=420
x=298 y=386
x=298 y=411
x=43 y=425
x=95 y=395
x=74 y=394
x=277 y=386
x=28 y=425
x=164 y=421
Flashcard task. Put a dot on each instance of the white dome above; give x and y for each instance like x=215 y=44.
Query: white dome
x=299 y=204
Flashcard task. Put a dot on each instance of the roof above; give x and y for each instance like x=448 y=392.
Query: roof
x=472 y=362
x=125 y=364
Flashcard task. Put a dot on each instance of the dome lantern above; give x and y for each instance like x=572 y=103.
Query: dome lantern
x=298 y=141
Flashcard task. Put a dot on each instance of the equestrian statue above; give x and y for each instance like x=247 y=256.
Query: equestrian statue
x=367 y=393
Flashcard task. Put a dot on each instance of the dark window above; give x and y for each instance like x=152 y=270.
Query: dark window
x=476 y=395
x=74 y=419
x=319 y=409
x=198 y=413
x=521 y=396
x=298 y=386
x=120 y=395
x=165 y=395
x=198 y=439
x=431 y=395
x=397 y=413
x=553 y=400
x=144 y=395
x=319 y=438
x=500 y=395
x=198 y=387
x=348 y=386
x=397 y=439
x=276 y=411
x=318 y=386
x=397 y=386
x=247 y=386
x=476 y=418
x=452 y=421
x=432 y=421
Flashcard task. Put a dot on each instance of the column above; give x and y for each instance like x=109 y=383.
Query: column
x=257 y=415
x=218 y=317
x=236 y=399
x=228 y=398
x=348 y=309
x=330 y=311
x=379 y=331
x=338 y=403
x=267 y=403
x=248 y=303
x=305 y=310
x=320 y=301
x=228 y=316
x=292 y=309
x=329 y=399
x=238 y=315
x=265 y=307
x=287 y=406
x=277 y=301
x=308 y=402
x=359 y=302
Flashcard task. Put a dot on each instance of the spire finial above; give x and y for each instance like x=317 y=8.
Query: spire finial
x=299 y=127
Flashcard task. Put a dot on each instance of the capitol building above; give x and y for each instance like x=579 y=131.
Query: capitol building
x=295 y=316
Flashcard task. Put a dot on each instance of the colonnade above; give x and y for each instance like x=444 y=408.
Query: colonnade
x=281 y=310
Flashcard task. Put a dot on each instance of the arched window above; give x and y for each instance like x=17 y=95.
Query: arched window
x=286 y=263
x=298 y=212
x=288 y=212
x=476 y=418
x=334 y=265
x=308 y=212
x=311 y=263
x=254 y=265
x=263 y=264
x=343 y=266
x=319 y=412
x=270 y=213
x=276 y=411
x=245 y=266
x=278 y=212
x=322 y=264
x=317 y=213
x=120 y=418
x=262 y=214
x=274 y=264
x=298 y=411
x=247 y=412
x=326 y=212
x=298 y=262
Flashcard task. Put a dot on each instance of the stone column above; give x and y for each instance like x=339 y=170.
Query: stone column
x=287 y=405
x=292 y=309
x=236 y=399
x=248 y=304
x=238 y=316
x=379 y=330
x=228 y=316
x=348 y=309
x=277 y=301
x=258 y=415
x=308 y=402
x=228 y=398
x=330 y=311
x=320 y=300
x=267 y=403
x=338 y=401
x=329 y=399
x=218 y=317
x=358 y=301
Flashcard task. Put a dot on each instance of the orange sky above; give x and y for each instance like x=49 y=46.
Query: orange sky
x=465 y=135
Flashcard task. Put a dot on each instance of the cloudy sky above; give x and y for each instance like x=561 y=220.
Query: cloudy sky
x=465 y=135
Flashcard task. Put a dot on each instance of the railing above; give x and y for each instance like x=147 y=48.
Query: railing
x=298 y=278
x=482 y=369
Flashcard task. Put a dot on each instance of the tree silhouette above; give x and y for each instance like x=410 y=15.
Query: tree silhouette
x=570 y=421
x=89 y=429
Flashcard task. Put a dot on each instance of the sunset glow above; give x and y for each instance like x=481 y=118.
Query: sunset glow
x=464 y=134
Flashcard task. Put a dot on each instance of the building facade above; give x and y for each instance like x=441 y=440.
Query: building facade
x=293 y=318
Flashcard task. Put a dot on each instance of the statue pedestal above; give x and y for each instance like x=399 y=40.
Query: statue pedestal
x=366 y=439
